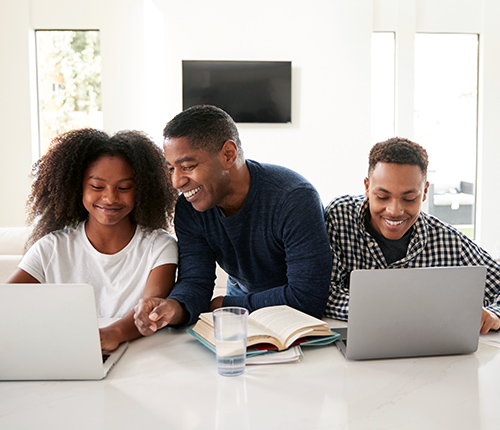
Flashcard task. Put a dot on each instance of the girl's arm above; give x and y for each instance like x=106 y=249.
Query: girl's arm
x=21 y=277
x=159 y=284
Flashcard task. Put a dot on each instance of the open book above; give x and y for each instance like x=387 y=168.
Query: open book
x=273 y=327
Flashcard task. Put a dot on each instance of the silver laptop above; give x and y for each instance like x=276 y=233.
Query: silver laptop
x=50 y=332
x=413 y=312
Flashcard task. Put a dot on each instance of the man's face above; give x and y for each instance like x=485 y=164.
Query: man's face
x=198 y=174
x=395 y=193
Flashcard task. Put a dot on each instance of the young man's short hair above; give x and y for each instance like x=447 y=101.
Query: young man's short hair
x=398 y=150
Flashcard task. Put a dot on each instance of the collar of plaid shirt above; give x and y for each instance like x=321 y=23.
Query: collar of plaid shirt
x=417 y=243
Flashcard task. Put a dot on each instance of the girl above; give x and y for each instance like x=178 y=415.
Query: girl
x=98 y=204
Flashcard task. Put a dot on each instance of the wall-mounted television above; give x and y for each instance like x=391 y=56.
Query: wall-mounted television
x=249 y=91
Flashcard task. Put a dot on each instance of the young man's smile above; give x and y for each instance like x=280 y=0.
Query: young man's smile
x=395 y=193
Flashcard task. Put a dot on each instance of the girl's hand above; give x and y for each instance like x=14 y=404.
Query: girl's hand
x=109 y=339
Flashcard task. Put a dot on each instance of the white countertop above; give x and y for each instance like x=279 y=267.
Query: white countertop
x=170 y=381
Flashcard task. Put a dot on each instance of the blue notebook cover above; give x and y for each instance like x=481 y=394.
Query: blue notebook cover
x=265 y=348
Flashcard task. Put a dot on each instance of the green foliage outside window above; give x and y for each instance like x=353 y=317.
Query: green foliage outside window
x=69 y=82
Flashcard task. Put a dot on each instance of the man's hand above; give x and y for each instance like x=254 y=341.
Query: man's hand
x=154 y=313
x=489 y=321
x=216 y=303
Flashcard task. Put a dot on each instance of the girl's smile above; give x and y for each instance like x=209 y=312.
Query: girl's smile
x=109 y=191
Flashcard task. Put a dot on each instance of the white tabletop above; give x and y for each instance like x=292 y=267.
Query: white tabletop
x=169 y=381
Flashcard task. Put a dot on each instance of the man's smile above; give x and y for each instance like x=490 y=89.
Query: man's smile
x=192 y=192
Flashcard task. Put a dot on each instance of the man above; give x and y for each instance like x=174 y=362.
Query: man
x=387 y=229
x=263 y=224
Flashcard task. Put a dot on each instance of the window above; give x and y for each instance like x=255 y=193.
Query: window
x=382 y=92
x=69 y=82
x=444 y=115
x=445 y=122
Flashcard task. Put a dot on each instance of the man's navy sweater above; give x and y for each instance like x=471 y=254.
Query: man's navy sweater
x=276 y=247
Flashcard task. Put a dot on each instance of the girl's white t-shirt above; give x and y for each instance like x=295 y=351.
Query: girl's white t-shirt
x=67 y=257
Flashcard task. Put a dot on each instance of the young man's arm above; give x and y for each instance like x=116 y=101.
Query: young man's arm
x=472 y=254
x=338 y=301
x=489 y=321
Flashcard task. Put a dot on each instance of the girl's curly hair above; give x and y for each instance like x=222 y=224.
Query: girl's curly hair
x=55 y=201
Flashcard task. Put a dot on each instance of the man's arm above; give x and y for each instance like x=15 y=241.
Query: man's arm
x=154 y=313
x=196 y=275
x=301 y=228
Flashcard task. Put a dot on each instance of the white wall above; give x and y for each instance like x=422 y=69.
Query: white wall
x=328 y=42
x=143 y=43
x=15 y=110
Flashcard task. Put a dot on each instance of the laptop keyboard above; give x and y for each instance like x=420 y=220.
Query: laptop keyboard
x=105 y=357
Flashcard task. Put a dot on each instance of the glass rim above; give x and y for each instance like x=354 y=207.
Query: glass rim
x=235 y=310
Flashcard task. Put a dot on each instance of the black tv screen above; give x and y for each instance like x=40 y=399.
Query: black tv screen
x=249 y=91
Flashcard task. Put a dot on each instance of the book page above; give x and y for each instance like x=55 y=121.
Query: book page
x=286 y=356
x=284 y=322
x=255 y=333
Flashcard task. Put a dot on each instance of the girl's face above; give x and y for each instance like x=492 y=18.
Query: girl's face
x=109 y=191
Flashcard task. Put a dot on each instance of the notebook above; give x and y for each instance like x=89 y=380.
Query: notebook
x=50 y=332
x=413 y=312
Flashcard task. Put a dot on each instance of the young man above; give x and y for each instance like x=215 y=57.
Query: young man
x=386 y=228
x=263 y=224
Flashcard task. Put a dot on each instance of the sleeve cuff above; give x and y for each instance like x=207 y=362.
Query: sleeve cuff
x=495 y=309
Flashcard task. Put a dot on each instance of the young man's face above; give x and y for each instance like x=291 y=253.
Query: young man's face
x=395 y=193
x=198 y=174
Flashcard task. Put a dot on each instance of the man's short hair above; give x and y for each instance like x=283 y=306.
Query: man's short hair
x=205 y=127
x=398 y=150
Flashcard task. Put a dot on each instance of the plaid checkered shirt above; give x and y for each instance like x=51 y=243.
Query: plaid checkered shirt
x=432 y=243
